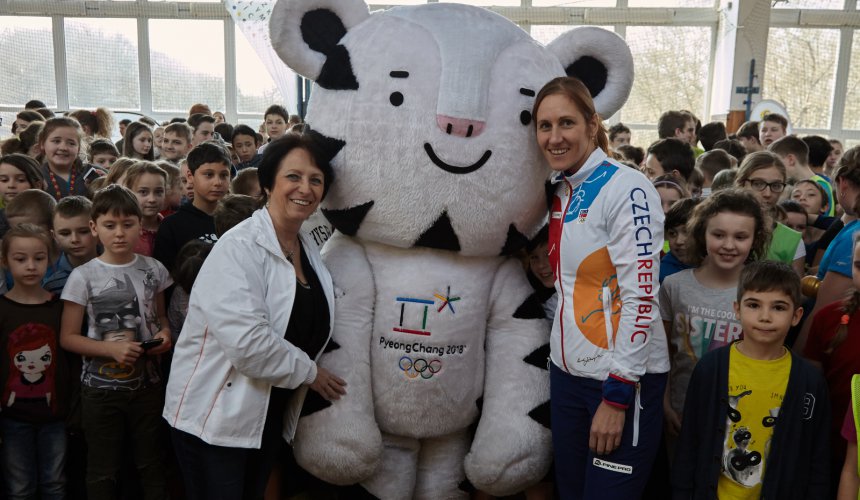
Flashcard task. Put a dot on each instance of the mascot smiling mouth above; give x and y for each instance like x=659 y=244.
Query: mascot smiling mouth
x=453 y=169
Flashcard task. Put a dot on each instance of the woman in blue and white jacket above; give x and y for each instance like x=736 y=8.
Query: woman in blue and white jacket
x=259 y=315
x=608 y=348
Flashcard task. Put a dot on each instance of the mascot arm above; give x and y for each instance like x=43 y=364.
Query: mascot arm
x=512 y=446
x=340 y=441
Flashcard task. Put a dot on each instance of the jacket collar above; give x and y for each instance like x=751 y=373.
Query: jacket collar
x=264 y=229
x=596 y=158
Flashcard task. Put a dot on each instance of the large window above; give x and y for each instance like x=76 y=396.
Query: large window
x=800 y=73
x=27 y=61
x=187 y=59
x=671 y=71
x=102 y=63
x=851 y=118
x=257 y=90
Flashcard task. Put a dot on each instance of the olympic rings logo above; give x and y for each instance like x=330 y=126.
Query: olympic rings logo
x=419 y=367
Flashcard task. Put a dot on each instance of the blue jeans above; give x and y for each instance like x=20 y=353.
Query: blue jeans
x=33 y=457
x=620 y=475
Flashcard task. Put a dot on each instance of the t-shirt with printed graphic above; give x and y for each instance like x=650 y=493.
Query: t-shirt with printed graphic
x=120 y=304
x=33 y=371
x=756 y=390
x=703 y=319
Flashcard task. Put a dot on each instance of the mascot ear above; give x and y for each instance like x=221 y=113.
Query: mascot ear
x=602 y=60
x=306 y=35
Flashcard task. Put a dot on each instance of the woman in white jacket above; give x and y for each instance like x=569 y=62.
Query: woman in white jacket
x=259 y=315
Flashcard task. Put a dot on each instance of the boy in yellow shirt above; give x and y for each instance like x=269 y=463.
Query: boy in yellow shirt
x=756 y=416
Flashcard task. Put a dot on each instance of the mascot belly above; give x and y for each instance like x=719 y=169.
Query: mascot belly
x=425 y=115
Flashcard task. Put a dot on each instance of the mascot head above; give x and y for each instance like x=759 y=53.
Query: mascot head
x=425 y=112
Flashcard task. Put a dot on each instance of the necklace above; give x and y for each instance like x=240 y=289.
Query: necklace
x=57 y=186
x=289 y=253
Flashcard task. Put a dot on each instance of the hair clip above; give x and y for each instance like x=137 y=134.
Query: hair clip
x=844 y=319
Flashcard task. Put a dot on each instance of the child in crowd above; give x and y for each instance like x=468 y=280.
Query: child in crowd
x=794 y=154
x=769 y=407
x=245 y=145
x=117 y=171
x=18 y=173
x=32 y=206
x=187 y=184
x=633 y=154
x=121 y=394
x=795 y=218
x=748 y=136
x=98 y=123
x=247 y=183
x=157 y=140
x=176 y=143
x=36 y=383
x=275 y=120
x=669 y=156
x=811 y=196
x=711 y=133
x=675 y=227
x=231 y=210
x=74 y=237
x=539 y=272
x=763 y=174
x=26 y=142
x=671 y=190
x=734 y=148
x=148 y=183
x=189 y=260
x=724 y=179
x=833 y=345
x=619 y=135
x=137 y=142
x=835 y=269
x=833 y=158
x=60 y=142
x=173 y=195
x=710 y=164
x=103 y=154
x=772 y=127
x=203 y=128
x=727 y=231
x=209 y=173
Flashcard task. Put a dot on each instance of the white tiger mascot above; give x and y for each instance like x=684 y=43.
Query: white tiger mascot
x=425 y=112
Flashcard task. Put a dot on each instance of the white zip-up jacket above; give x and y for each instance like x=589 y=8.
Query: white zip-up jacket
x=606 y=233
x=232 y=349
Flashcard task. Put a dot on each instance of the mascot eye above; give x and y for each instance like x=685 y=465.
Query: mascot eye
x=396 y=98
x=525 y=117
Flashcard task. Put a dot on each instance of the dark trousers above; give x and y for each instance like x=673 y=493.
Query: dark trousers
x=622 y=474
x=222 y=473
x=113 y=418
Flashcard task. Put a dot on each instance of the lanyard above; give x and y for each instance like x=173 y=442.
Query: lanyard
x=57 y=186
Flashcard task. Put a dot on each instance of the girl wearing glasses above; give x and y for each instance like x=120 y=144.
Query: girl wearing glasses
x=763 y=174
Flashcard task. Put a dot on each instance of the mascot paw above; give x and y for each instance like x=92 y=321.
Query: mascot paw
x=503 y=469
x=337 y=446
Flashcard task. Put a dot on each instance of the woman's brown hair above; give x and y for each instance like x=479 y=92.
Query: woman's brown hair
x=578 y=93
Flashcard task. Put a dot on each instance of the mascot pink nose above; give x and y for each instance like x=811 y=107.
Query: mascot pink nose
x=460 y=127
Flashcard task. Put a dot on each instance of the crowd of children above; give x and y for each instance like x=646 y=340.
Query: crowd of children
x=102 y=242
